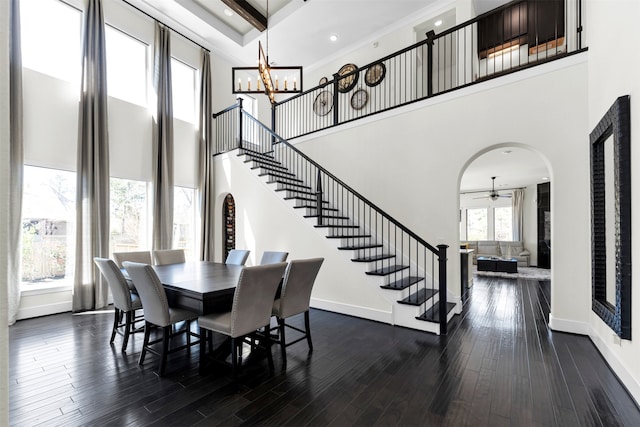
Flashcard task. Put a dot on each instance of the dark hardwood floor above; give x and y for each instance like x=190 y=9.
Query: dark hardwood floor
x=499 y=365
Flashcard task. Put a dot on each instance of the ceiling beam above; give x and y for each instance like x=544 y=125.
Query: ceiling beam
x=248 y=13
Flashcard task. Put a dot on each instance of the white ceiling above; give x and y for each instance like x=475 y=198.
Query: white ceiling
x=299 y=33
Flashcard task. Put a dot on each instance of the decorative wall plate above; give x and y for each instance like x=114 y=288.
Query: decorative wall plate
x=323 y=103
x=375 y=74
x=345 y=84
x=359 y=99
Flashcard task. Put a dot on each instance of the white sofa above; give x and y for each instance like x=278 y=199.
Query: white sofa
x=500 y=249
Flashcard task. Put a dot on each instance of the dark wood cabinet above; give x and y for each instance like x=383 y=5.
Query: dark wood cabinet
x=544 y=225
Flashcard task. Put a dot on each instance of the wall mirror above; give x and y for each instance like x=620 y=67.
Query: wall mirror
x=611 y=218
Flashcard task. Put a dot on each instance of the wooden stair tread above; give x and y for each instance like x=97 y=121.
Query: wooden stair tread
x=279 y=175
x=314 y=207
x=292 y=184
x=327 y=216
x=348 y=236
x=433 y=313
x=336 y=226
x=419 y=297
x=358 y=247
x=387 y=270
x=373 y=258
x=297 y=191
x=306 y=199
x=403 y=283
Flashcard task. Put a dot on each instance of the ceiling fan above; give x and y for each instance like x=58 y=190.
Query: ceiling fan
x=493 y=195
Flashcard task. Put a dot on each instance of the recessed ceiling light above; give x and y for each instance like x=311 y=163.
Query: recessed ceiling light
x=333 y=37
x=545 y=178
x=228 y=12
x=438 y=23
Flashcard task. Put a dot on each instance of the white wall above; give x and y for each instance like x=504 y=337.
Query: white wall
x=614 y=67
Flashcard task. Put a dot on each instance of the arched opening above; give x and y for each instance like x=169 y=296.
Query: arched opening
x=505 y=215
x=229 y=225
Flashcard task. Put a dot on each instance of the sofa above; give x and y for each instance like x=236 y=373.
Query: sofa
x=500 y=249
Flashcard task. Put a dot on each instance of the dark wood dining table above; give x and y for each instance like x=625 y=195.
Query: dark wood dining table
x=201 y=286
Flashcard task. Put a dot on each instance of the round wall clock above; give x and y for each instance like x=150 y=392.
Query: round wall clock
x=359 y=99
x=375 y=74
x=323 y=103
x=345 y=84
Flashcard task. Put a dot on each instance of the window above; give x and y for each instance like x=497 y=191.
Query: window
x=477 y=224
x=503 y=222
x=48 y=218
x=184 y=220
x=183 y=88
x=51 y=33
x=128 y=221
x=126 y=67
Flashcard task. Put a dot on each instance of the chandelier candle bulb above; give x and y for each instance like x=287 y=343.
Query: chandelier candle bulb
x=239 y=84
x=248 y=83
x=294 y=83
x=258 y=82
x=285 y=82
x=276 y=82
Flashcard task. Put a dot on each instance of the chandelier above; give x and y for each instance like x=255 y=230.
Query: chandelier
x=266 y=75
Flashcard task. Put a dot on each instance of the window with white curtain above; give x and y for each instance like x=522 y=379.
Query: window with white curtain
x=183 y=87
x=126 y=66
x=48 y=223
x=50 y=36
x=477 y=224
x=503 y=223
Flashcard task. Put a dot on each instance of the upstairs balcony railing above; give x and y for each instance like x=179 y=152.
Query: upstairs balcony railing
x=510 y=38
x=397 y=255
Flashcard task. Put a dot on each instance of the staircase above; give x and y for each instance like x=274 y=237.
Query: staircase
x=409 y=271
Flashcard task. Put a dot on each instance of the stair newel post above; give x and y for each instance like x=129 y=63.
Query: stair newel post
x=442 y=288
x=319 y=197
x=240 y=129
x=431 y=36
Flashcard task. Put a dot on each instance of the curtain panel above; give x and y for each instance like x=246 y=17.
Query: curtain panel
x=92 y=194
x=517 y=212
x=16 y=164
x=162 y=142
x=205 y=175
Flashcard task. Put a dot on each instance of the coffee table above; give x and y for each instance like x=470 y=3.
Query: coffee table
x=504 y=265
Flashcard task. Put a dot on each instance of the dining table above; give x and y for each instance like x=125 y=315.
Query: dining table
x=204 y=287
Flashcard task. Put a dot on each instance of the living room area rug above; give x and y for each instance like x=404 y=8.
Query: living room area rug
x=532 y=273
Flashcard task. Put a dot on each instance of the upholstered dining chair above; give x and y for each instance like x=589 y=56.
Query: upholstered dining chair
x=237 y=257
x=294 y=299
x=273 y=257
x=125 y=302
x=168 y=256
x=134 y=256
x=250 y=311
x=157 y=313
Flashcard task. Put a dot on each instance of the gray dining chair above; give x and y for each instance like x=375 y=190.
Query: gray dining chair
x=158 y=313
x=168 y=256
x=273 y=257
x=134 y=256
x=237 y=257
x=294 y=299
x=250 y=311
x=125 y=302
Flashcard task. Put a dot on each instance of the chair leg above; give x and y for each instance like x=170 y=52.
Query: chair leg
x=166 y=333
x=234 y=359
x=308 y=329
x=203 y=349
x=115 y=325
x=283 y=342
x=268 y=348
x=145 y=342
x=127 y=329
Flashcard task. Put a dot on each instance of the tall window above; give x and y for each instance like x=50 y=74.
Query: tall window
x=48 y=218
x=51 y=32
x=477 y=224
x=503 y=222
x=126 y=67
x=184 y=220
x=183 y=87
x=128 y=221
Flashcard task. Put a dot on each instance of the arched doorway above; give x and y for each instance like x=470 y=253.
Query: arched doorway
x=229 y=225
x=505 y=206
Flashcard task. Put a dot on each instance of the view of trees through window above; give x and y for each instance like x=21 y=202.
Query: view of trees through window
x=490 y=223
x=128 y=221
x=48 y=218
x=503 y=221
x=477 y=224
x=184 y=220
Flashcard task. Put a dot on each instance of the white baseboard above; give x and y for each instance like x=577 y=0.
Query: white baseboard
x=617 y=366
x=570 y=326
x=44 y=310
x=353 y=310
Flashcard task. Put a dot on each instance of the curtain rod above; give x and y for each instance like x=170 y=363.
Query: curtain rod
x=172 y=29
